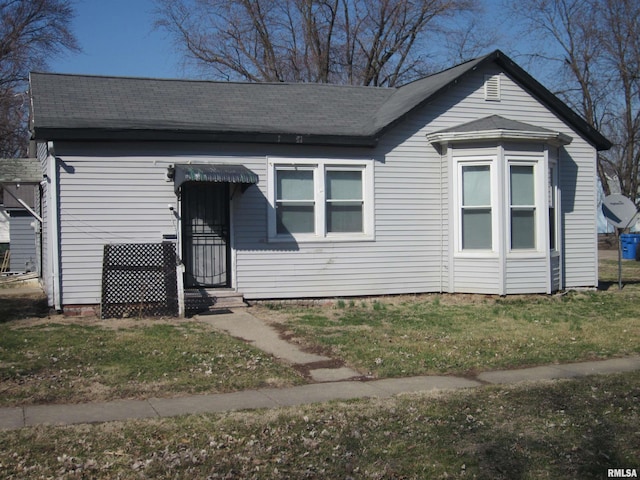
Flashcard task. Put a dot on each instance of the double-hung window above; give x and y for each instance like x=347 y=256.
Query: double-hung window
x=476 y=207
x=522 y=207
x=295 y=202
x=320 y=199
x=344 y=201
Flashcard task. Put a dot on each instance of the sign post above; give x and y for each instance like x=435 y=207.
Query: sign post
x=619 y=212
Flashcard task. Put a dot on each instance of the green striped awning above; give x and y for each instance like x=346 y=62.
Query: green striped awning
x=214 y=174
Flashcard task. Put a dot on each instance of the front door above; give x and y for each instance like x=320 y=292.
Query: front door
x=205 y=234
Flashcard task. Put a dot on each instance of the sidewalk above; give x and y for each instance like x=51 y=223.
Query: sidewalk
x=18 y=417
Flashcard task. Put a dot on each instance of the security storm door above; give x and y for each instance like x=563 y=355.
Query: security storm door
x=205 y=234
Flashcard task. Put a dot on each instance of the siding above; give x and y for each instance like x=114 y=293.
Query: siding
x=527 y=275
x=477 y=275
x=114 y=193
x=23 y=242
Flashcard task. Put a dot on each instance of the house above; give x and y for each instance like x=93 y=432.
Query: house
x=476 y=179
x=20 y=179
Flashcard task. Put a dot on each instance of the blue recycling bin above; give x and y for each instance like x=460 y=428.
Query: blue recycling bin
x=629 y=243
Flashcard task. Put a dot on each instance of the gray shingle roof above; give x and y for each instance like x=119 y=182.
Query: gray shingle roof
x=95 y=107
x=16 y=170
x=496 y=122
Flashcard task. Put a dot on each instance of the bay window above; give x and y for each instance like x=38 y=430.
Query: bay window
x=501 y=204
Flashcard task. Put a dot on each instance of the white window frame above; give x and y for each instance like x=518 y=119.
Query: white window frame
x=553 y=202
x=320 y=166
x=492 y=162
x=541 y=206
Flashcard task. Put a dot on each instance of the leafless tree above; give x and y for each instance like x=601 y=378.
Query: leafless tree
x=595 y=47
x=30 y=32
x=360 y=42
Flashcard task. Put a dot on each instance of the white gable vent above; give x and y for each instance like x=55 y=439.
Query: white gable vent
x=492 y=88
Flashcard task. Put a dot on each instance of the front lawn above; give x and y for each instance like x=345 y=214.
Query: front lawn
x=465 y=334
x=52 y=362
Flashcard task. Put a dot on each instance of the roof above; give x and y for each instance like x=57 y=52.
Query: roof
x=78 y=107
x=497 y=127
x=20 y=170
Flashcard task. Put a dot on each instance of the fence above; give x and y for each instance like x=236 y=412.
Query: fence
x=139 y=279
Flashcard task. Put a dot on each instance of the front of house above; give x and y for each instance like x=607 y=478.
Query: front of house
x=476 y=179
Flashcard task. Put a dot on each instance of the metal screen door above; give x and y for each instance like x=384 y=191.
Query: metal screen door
x=205 y=234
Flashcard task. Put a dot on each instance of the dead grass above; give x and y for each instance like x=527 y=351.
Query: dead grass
x=573 y=429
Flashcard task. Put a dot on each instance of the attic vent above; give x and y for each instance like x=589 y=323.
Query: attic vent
x=492 y=88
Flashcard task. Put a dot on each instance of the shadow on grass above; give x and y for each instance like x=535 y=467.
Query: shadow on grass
x=584 y=446
x=16 y=307
x=608 y=285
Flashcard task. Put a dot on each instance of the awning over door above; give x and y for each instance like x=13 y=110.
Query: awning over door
x=214 y=174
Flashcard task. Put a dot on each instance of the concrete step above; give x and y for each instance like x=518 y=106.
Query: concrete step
x=203 y=300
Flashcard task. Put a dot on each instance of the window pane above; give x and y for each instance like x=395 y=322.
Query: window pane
x=295 y=185
x=476 y=185
x=344 y=185
x=344 y=217
x=523 y=234
x=522 y=192
x=476 y=229
x=295 y=218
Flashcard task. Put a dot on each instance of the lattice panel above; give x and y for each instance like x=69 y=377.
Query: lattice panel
x=139 y=280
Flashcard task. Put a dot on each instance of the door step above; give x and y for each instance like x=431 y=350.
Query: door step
x=211 y=300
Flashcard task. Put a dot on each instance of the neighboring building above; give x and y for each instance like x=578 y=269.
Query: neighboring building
x=476 y=179
x=20 y=179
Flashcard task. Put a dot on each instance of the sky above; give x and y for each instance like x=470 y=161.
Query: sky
x=117 y=38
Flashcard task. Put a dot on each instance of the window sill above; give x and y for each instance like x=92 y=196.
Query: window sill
x=525 y=254
x=477 y=254
x=333 y=238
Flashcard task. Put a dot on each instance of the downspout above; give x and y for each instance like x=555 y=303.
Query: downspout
x=442 y=255
x=55 y=229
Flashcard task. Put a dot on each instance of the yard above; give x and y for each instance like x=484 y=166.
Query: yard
x=566 y=429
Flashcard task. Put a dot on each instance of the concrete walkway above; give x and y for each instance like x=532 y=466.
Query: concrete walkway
x=241 y=324
x=333 y=381
x=18 y=417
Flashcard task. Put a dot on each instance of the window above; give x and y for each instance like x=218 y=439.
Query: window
x=344 y=201
x=501 y=204
x=320 y=199
x=476 y=208
x=522 y=207
x=295 y=204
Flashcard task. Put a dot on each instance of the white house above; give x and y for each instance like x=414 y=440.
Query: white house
x=476 y=179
